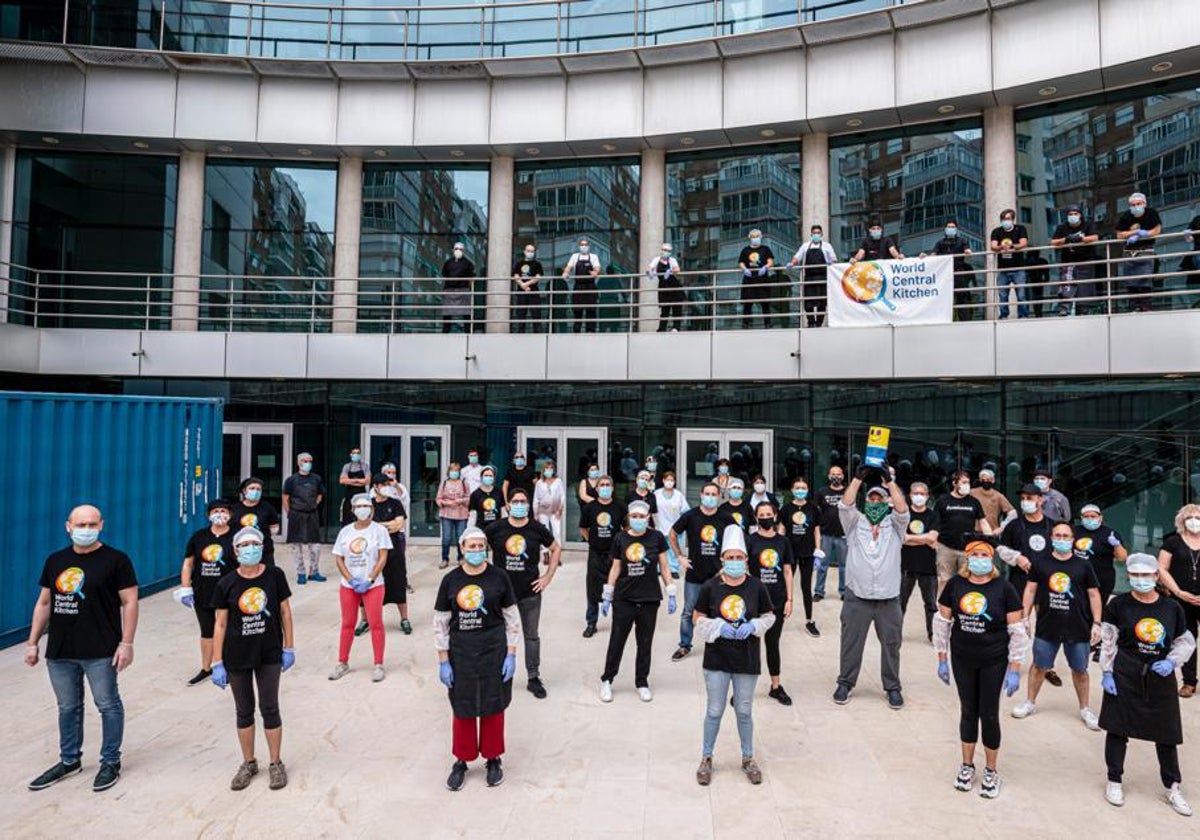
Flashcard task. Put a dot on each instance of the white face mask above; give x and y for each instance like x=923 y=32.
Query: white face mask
x=583 y=249
x=362 y=512
x=529 y=255
x=760 y=488
x=1192 y=524
x=669 y=484
x=458 y=253
x=919 y=500
x=964 y=488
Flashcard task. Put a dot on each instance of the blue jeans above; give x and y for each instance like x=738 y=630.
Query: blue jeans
x=1045 y=652
x=452 y=529
x=66 y=677
x=1011 y=278
x=716 y=685
x=835 y=555
x=691 y=594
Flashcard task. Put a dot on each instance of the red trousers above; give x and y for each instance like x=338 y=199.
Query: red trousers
x=474 y=737
x=372 y=601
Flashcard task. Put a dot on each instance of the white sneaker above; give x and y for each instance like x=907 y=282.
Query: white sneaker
x=605 y=691
x=339 y=670
x=1175 y=800
x=965 y=780
x=1114 y=794
x=1024 y=709
x=645 y=693
x=989 y=788
x=378 y=674
x=1089 y=719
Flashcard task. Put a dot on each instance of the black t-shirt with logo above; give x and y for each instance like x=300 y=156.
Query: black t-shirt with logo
x=1029 y=538
x=1096 y=547
x=262 y=516
x=755 y=258
x=742 y=514
x=518 y=551
x=254 y=630
x=388 y=510
x=1010 y=260
x=827 y=504
x=527 y=269
x=212 y=559
x=85 y=604
x=801 y=524
x=1146 y=631
x=475 y=603
x=1064 y=611
x=980 y=615
x=877 y=249
x=1075 y=251
x=736 y=605
x=766 y=558
x=486 y=504
x=956 y=519
x=649 y=499
x=920 y=559
x=603 y=522
x=704 y=535
x=637 y=580
x=303 y=491
x=1149 y=221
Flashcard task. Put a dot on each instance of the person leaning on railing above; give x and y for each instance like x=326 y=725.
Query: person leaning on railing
x=670 y=290
x=1009 y=242
x=527 y=301
x=953 y=245
x=755 y=261
x=1076 y=238
x=584 y=266
x=458 y=272
x=877 y=246
x=815 y=255
x=1137 y=227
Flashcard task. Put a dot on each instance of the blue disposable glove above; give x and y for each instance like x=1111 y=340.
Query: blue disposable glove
x=672 y=605
x=1163 y=667
x=361 y=585
x=744 y=632
x=762 y=272
x=289 y=658
x=745 y=272
x=943 y=671
x=219 y=676
x=1108 y=683
x=1012 y=681
x=1113 y=539
x=728 y=631
x=509 y=668
x=446 y=673
x=188 y=601
x=606 y=597
x=605 y=606
x=1134 y=237
x=818 y=560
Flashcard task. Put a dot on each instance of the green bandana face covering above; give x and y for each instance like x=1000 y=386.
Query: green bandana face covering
x=876 y=511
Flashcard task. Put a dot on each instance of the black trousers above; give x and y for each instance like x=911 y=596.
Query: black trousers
x=670 y=301
x=527 y=311
x=814 y=308
x=757 y=290
x=1168 y=760
x=598 y=566
x=640 y=618
x=242 y=682
x=1191 y=616
x=979 y=699
x=804 y=565
x=585 y=301
x=928 y=586
x=772 y=643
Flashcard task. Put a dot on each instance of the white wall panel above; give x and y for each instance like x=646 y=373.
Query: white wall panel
x=347 y=356
x=575 y=358
x=777 y=78
x=427 y=356
x=506 y=357
x=375 y=113
x=603 y=105
x=41 y=97
x=685 y=97
x=1133 y=30
x=943 y=61
x=846 y=353
x=1057 y=347
x=216 y=106
x=655 y=357
x=183 y=354
x=97 y=352
x=18 y=349
x=529 y=110
x=301 y=111
x=851 y=77
x=758 y=354
x=452 y=113
x=967 y=349
x=137 y=103
x=1040 y=41
x=1155 y=342
x=266 y=355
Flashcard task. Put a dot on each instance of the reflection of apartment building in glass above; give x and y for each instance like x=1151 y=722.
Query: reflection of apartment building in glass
x=1166 y=158
x=759 y=192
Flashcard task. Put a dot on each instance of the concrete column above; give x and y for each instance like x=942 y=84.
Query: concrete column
x=189 y=240
x=8 y=181
x=346 y=229
x=500 y=243
x=814 y=184
x=652 y=222
x=999 y=180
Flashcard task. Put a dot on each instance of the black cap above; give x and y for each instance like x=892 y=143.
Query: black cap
x=1043 y=471
x=1031 y=490
x=1073 y=208
x=246 y=482
x=219 y=503
x=380 y=478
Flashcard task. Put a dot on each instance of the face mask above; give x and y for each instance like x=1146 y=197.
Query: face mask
x=250 y=554
x=1138 y=211
x=1192 y=524
x=1142 y=584
x=583 y=249
x=835 y=481
x=979 y=565
x=760 y=488
x=642 y=484
x=390 y=476
x=734 y=568
x=84 y=537
x=454 y=473
x=1091 y=524
x=801 y=493
x=766 y=524
x=529 y=255
x=475 y=558
x=593 y=474
x=519 y=510
x=816 y=238
x=1041 y=484
x=987 y=485
x=735 y=492
x=473 y=459
x=458 y=254
x=723 y=469
x=709 y=502
x=548 y=473
x=652 y=466
x=1028 y=506
x=669 y=484
x=755 y=241
x=487 y=480
x=254 y=495
x=876 y=511
x=638 y=526
x=518 y=462
x=1007 y=224
x=666 y=255
x=876 y=233
x=362 y=512
x=355 y=458
x=920 y=499
x=1061 y=546
x=219 y=519
x=964 y=489
x=306 y=467
x=1074 y=218
x=951 y=232
x=604 y=492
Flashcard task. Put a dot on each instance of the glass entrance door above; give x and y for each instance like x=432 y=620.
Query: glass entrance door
x=262 y=450
x=420 y=456
x=749 y=452
x=571 y=448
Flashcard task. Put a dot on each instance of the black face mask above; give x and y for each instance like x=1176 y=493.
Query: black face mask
x=766 y=524
x=835 y=480
x=987 y=485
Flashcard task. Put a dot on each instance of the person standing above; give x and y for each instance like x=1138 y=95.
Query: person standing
x=476 y=627
x=966 y=301
x=393 y=516
x=769 y=556
x=669 y=505
x=1179 y=560
x=550 y=499
x=979 y=626
x=638 y=553
x=756 y=261
x=1137 y=228
x=816 y=255
x=361 y=552
x=705 y=528
x=584 y=266
x=1026 y=538
x=918 y=555
x=487 y=503
x=733 y=611
x=599 y=523
x=960 y=516
x=520 y=477
x=452 y=498
x=356 y=478
x=1076 y=241
x=1008 y=243
x=643 y=491
x=255 y=512
x=1067 y=595
x=1144 y=639
x=88 y=605
x=585 y=491
x=472 y=471
x=833 y=538
x=873 y=541
x=737 y=508
x=1054 y=504
x=876 y=246
x=998 y=511
x=671 y=298
x=207 y=558
x=517 y=541
x=1100 y=546
x=526 y=299
x=255 y=648
x=801 y=525
x=458 y=272
x=303 y=493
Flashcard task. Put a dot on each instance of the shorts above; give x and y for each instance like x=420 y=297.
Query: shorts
x=207 y=618
x=1045 y=652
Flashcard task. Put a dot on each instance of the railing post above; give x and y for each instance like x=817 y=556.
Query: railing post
x=8 y=181
x=37 y=297
x=66 y=21
x=162 y=24
x=146 y=317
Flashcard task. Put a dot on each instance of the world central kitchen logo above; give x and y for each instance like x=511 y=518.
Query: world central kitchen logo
x=869 y=283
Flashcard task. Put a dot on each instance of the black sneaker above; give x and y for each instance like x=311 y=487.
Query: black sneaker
x=201 y=675
x=536 y=688
x=680 y=654
x=1053 y=678
x=362 y=627
x=495 y=773
x=895 y=700
x=841 y=695
x=589 y=631
x=818 y=598
x=56 y=773
x=811 y=627
x=779 y=694
x=107 y=777
x=458 y=775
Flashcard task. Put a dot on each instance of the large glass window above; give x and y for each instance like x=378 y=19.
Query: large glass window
x=914 y=182
x=268 y=246
x=411 y=218
x=81 y=213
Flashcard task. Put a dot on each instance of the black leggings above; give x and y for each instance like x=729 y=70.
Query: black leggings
x=242 y=683
x=772 y=640
x=804 y=565
x=979 y=696
x=1168 y=760
x=641 y=618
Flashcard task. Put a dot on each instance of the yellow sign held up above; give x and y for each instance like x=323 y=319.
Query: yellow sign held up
x=877 y=445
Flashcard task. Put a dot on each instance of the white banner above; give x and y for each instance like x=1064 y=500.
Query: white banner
x=914 y=290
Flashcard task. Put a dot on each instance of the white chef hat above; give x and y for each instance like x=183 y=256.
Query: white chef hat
x=734 y=539
x=1144 y=564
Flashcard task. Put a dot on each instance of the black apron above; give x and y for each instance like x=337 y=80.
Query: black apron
x=304 y=522
x=351 y=492
x=395 y=572
x=479 y=690
x=1146 y=706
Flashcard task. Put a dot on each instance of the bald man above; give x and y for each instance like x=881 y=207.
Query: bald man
x=89 y=605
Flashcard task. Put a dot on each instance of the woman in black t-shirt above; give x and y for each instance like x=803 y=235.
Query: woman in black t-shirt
x=253 y=636
x=979 y=626
x=391 y=514
x=770 y=560
x=207 y=558
x=1179 y=559
x=801 y=523
x=638 y=553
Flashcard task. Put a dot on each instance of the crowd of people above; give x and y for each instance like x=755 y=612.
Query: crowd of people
x=995 y=580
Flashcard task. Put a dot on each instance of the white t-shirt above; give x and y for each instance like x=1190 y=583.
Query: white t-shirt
x=668 y=509
x=472 y=474
x=359 y=549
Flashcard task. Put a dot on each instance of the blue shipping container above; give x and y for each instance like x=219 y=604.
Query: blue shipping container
x=150 y=465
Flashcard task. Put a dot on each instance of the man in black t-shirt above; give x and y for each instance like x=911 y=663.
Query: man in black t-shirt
x=1076 y=238
x=1137 y=228
x=833 y=538
x=877 y=246
x=457 y=274
x=526 y=299
x=599 y=522
x=960 y=516
x=89 y=606
x=918 y=566
x=1009 y=242
x=756 y=261
x=705 y=528
x=952 y=244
